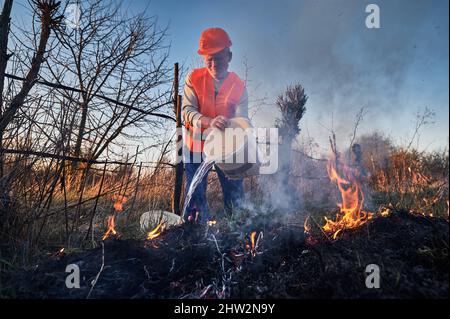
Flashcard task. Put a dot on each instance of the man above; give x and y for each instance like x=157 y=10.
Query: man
x=212 y=95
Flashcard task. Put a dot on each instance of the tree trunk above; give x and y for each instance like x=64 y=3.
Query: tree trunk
x=285 y=155
x=30 y=78
x=81 y=130
x=4 y=57
x=176 y=198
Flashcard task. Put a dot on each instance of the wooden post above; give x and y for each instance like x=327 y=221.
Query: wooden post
x=175 y=88
x=176 y=196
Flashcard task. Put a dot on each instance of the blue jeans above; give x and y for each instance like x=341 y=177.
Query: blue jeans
x=233 y=193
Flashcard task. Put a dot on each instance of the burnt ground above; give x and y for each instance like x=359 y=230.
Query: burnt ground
x=191 y=261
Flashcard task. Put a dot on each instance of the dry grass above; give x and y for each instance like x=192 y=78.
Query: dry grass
x=409 y=180
x=43 y=212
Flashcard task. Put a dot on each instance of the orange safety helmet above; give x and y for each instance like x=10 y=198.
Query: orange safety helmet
x=213 y=40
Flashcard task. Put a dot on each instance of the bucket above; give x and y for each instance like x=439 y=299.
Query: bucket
x=237 y=157
x=151 y=219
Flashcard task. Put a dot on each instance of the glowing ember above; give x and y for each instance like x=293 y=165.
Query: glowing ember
x=386 y=212
x=156 y=232
x=211 y=222
x=111 y=227
x=58 y=253
x=119 y=200
x=351 y=214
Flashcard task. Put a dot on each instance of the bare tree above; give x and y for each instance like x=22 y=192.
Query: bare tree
x=70 y=93
x=118 y=57
x=422 y=119
x=4 y=57
x=358 y=120
x=47 y=12
x=49 y=18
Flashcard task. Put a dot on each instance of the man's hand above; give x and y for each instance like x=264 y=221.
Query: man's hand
x=220 y=122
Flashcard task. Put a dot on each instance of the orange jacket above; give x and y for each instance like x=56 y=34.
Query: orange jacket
x=210 y=105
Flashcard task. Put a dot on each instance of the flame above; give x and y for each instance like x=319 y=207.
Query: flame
x=254 y=243
x=212 y=222
x=156 y=232
x=351 y=214
x=386 y=212
x=306 y=226
x=111 y=227
x=252 y=238
x=119 y=200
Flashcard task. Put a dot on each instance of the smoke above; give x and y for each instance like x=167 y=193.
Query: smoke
x=277 y=191
x=326 y=47
x=343 y=66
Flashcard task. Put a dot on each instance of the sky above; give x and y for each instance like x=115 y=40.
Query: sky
x=393 y=72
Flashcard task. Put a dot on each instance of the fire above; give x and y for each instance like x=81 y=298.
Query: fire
x=58 y=253
x=156 y=232
x=306 y=226
x=252 y=238
x=254 y=243
x=212 y=222
x=111 y=227
x=351 y=213
x=385 y=212
x=119 y=200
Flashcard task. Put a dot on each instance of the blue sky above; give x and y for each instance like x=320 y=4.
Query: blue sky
x=393 y=72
